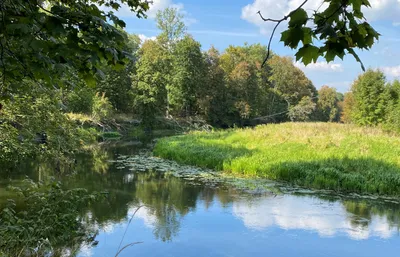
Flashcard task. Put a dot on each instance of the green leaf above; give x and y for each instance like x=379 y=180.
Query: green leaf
x=307 y=38
x=292 y=37
x=298 y=18
x=352 y=52
x=308 y=54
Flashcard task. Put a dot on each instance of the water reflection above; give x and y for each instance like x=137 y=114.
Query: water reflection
x=311 y=213
x=179 y=214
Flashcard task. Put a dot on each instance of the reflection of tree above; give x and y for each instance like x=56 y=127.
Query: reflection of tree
x=169 y=199
x=367 y=209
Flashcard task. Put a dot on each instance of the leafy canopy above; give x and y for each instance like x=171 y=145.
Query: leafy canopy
x=44 y=39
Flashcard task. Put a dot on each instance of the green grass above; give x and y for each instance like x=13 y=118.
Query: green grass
x=339 y=157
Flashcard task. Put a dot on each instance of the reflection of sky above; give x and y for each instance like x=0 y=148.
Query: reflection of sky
x=307 y=213
x=285 y=226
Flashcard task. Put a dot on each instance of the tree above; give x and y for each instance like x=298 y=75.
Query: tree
x=331 y=31
x=188 y=73
x=149 y=82
x=327 y=108
x=371 y=96
x=392 y=119
x=303 y=110
x=289 y=80
x=43 y=40
x=349 y=104
x=214 y=101
x=117 y=84
x=172 y=27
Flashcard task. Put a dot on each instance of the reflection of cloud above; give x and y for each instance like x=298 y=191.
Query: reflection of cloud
x=307 y=213
x=145 y=214
x=86 y=250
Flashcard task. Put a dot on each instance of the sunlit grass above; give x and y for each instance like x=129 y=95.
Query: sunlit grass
x=332 y=156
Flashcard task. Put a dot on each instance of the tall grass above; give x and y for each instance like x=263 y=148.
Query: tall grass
x=332 y=156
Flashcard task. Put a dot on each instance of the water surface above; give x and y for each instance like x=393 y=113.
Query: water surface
x=187 y=217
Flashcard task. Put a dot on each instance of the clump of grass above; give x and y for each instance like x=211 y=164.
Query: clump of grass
x=344 y=158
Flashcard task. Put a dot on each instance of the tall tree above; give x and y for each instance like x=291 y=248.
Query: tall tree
x=172 y=27
x=349 y=105
x=188 y=71
x=149 y=82
x=327 y=108
x=117 y=84
x=289 y=80
x=371 y=96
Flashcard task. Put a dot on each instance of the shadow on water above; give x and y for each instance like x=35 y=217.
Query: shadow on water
x=169 y=202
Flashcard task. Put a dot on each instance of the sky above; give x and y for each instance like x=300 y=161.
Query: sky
x=221 y=23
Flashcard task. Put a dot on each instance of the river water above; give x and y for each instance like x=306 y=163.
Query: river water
x=182 y=216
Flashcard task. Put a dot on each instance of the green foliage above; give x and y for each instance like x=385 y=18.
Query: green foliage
x=172 y=27
x=102 y=109
x=303 y=110
x=188 y=72
x=371 y=96
x=327 y=108
x=35 y=126
x=51 y=220
x=349 y=105
x=341 y=27
x=117 y=84
x=344 y=158
x=392 y=120
x=45 y=40
x=150 y=81
x=80 y=100
x=289 y=81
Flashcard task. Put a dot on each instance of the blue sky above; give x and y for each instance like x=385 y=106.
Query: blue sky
x=222 y=23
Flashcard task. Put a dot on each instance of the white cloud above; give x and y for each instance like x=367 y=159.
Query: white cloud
x=158 y=5
x=144 y=38
x=393 y=71
x=320 y=66
x=383 y=10
x=275 y=10
x=396 y=24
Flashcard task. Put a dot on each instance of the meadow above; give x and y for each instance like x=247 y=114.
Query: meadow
x=339 y=157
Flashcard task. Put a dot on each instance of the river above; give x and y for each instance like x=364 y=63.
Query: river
x=184 y=216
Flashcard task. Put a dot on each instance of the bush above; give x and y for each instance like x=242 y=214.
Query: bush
x=50 y=221
x=102 y=109
x=80 y=101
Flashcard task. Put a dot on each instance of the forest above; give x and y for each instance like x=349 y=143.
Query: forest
x=97 y=123
x=173 y=78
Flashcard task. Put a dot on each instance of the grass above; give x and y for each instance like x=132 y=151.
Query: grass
x=338 y=157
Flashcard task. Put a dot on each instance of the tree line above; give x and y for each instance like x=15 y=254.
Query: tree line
x=172 y=77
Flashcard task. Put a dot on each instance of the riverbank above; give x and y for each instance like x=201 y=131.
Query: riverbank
x=338 y=157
